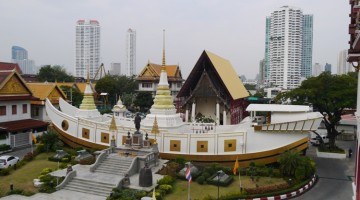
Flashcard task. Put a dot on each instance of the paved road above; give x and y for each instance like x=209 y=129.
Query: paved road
x=19 y=152
x=335 y=176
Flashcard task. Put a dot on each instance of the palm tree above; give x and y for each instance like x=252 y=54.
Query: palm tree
x=289 y=161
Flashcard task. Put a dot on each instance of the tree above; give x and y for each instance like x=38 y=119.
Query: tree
x=55 y=73
x=143 y=100
x=73 y=94
x=329 y=94
x=116 y=86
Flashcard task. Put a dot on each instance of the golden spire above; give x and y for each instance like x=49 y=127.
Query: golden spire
x=163 y=59
x=88 y=75
x=155 y=129
x=113 y=124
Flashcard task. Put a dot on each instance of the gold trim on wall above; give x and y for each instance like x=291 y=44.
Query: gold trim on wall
x=123 y=139
x=85 y=133
x=175 y=145
x=105 y=138
x=229 y=145
x=202 y=146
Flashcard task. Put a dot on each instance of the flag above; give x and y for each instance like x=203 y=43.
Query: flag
x=236 y=166
x=188 y=174
x=154 y=197
x=33 y=137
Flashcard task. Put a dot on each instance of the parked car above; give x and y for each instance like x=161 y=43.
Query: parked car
x=7 y=161
x=316 y=140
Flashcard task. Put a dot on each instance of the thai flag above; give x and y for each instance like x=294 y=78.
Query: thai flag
x=188 y=174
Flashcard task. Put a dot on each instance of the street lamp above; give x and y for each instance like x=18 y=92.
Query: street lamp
x=218 y=182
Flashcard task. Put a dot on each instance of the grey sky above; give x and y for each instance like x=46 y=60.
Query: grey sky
x=232 y=29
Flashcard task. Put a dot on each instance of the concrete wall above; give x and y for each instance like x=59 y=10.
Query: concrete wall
x=19 y=114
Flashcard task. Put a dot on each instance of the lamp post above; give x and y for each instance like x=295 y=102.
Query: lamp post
x=218 y=182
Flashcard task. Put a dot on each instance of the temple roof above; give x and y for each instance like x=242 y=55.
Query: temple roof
x=152 y=72
x=224 y=71
x=13 y=87
x=44 y=90
x=10 y=66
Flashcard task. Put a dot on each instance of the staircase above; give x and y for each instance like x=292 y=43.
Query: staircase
x=89 y=187
x=114 y=164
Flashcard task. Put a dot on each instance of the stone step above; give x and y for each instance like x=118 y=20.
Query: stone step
x=121 y=173
x=116 y=168
x=81 y=190
x=89 y=186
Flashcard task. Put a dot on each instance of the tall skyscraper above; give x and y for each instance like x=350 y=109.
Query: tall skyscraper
x=267 y=50
x=343 y=67
x=87 y=48
x=19 y=55
x=288 y=32
x=327 y=67
x=307 y=46
x=130 y=52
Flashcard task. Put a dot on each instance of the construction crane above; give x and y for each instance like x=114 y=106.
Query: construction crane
x=100 y=71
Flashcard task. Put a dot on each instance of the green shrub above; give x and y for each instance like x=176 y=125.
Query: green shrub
x=180 y=160
x=205 y=175
x=40 y=148
x=166 y=180
x=46 y=171
x=29 y=156
x=65 y=160
x=200 y=180
x=15 y=191
x=4 y=172
x=4 y=147
x=166 y=188
x=63 y=165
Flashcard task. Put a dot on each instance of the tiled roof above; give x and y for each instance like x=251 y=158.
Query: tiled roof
x=10 y=66
x=152 y=71
x=20 y=125
x=43 y=90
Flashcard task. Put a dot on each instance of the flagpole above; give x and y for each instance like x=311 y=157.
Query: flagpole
x=240 y=179
x=189 y=191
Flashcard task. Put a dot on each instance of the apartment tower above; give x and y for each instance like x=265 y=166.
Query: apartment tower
x=130 y=52
x=288 y=47
x=87 y=48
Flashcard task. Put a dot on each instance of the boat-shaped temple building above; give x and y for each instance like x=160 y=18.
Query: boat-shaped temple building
x=251 y=133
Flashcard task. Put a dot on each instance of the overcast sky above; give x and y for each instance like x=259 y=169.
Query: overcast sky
x=232 y=29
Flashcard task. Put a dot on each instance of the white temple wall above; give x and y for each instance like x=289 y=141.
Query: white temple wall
x=271 y=140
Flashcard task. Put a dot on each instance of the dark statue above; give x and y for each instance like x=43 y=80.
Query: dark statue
x=137 y=122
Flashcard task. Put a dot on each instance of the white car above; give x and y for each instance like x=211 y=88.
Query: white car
x=7 y=161
x=316 y=140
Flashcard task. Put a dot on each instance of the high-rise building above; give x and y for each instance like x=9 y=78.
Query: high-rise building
x=327 y=67
x=288 y=31
x=307 y=46
x=87 y=48
x=261 y=75
x=267 y=50
x=317 y=69
x=115 y=69
x=130 y=52
x=19 y=55
x=343 y=67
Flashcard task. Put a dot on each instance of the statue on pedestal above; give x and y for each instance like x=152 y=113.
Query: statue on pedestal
x=137 y=122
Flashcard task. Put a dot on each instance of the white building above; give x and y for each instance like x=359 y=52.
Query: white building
x=115 y=69
x=286 y=46
x=317 y=69
x=343 y=67
x=131 y=52
x=87 y=48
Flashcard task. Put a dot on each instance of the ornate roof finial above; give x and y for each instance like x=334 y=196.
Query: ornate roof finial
x=155 y=129
x=88 y=75
x=163 y=59
x=113 y=124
